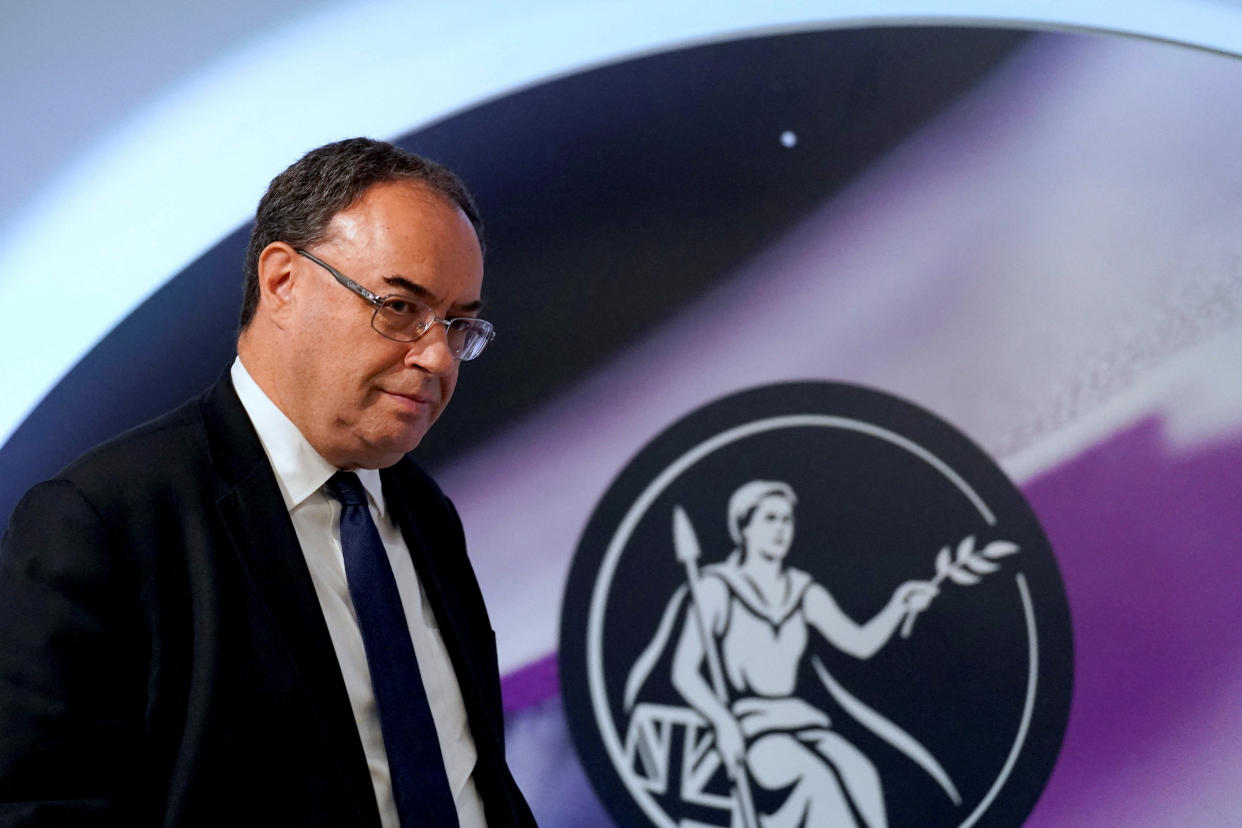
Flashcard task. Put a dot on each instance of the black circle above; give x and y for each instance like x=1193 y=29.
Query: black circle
x=882 y=486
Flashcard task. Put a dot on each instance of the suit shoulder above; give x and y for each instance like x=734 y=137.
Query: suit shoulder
x=168 y=447
x=407 y=465
x=416 y=484
x=414 y=492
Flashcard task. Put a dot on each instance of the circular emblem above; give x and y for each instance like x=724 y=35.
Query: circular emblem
x=815 y=604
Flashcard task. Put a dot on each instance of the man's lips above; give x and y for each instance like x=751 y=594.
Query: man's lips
x=412 y=402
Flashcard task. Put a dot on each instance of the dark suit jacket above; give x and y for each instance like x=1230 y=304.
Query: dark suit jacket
x=163 y=657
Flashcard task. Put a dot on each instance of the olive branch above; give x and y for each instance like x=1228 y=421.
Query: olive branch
x=966 y=567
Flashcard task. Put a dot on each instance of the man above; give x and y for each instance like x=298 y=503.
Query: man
x=255 y=610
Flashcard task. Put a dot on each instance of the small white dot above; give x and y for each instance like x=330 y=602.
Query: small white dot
x=789 y=139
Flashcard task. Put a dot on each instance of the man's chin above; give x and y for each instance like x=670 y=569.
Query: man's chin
x=380 y=453
x=383 y=457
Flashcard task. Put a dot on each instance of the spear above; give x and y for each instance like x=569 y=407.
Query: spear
x=686 y=546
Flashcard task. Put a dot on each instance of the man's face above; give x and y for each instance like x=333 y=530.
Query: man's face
x=362 y=400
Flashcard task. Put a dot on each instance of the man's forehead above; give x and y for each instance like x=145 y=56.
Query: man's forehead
x=404 y=213
x=415 y=239
x=382 y=198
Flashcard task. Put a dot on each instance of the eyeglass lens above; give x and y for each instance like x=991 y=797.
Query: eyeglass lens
x=406 y=321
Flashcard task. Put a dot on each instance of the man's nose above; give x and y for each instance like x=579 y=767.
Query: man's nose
x=431 y=351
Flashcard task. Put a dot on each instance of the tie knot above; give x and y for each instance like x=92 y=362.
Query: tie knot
x=347 y=488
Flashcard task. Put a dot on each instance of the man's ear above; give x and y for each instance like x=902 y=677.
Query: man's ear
x=277 y=268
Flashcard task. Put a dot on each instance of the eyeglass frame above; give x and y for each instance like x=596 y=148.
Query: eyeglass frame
x=377 y=301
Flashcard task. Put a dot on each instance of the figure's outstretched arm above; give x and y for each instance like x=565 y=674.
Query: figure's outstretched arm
x=864 y=640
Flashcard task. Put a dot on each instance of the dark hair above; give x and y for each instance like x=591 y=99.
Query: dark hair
x=302 y=200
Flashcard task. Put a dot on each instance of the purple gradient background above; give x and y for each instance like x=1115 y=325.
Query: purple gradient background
x=1054 y=266
x=1152 y=579
x=1150 y=549
x=1051 y=265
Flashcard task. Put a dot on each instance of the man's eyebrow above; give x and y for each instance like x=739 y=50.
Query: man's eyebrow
x=419 y=292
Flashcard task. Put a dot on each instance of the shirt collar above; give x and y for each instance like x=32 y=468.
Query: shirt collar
x=300 y=470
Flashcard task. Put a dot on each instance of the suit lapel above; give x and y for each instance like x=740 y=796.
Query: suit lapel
x=433 y=535
x=263 y=537
x=441 y=576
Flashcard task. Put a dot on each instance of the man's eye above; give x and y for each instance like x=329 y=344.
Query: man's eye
x=400 y=306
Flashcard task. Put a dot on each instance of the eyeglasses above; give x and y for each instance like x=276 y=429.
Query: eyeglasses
x=403 y=319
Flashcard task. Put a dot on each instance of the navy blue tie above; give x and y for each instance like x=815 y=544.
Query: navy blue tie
x=419 y=783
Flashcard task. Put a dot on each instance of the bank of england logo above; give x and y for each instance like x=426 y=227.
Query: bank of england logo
x=814 y=604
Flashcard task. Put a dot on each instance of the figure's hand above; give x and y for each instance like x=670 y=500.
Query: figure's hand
x=916 y=596
x=730 y=743
x=913 y=597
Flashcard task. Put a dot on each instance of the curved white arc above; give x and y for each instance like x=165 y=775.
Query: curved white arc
x=1028 y=706
x=204 y=151
x=888 y=731
x=612 y=557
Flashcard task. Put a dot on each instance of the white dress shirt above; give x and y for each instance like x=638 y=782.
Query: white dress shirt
x=301 y=474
